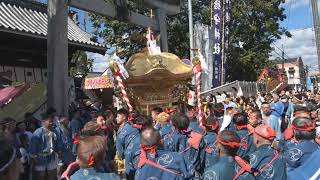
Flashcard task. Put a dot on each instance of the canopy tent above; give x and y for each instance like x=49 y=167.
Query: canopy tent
x=9 y=93
x=35 y=96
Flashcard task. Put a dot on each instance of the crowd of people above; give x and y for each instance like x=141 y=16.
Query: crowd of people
x=272 y=136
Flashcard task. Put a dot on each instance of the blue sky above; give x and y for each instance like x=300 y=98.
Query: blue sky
x=299 y=15
x=300 y=23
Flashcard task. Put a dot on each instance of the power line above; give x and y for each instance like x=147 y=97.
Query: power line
x=277 y=53
x=281 y=50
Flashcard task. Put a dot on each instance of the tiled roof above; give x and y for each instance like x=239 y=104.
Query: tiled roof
x=24 y=20
x=291 y=60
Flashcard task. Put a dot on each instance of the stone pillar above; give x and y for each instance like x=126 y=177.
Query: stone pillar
x=57 y=56
x=162 y=22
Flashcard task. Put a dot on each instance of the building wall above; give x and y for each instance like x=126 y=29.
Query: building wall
x=26 y=74
x=294 y=72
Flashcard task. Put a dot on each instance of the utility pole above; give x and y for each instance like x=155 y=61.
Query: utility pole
x=190 y=27
x=316 y=24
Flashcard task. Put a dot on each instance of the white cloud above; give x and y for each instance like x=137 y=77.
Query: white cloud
x=302 y=43
x=100 y=63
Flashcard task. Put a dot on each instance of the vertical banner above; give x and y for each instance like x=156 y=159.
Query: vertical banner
x=217 y=20
x=204 y=41
x=226 y=35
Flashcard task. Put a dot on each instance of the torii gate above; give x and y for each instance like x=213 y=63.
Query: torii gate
x=57 y=41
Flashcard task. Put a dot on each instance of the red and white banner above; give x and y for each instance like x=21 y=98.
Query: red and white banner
x=97 y=83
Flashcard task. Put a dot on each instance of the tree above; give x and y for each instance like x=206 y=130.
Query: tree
x=254 y=27
x=80 y=63
x=131 y=38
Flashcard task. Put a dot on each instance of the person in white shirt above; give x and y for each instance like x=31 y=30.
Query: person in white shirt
x=227 y=118
x=228 y=103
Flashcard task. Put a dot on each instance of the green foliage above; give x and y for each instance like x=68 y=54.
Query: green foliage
x=131 y=38
x=254 y=27
x=81 y=64
x=178 y=26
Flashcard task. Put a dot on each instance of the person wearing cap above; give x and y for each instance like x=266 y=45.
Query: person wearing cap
x=155 y=163
x=229 y=165
x=164 y=125
x=188 y=143
x=53 y=112
x=211 y=155
x=266 y=162
x=10 y=164
x=304 y=134
x=90 y=155
x=240 y=122
x=44 y=147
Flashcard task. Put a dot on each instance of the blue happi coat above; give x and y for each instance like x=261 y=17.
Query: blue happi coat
x=298 y=154
x=40 y=149
x=194 y=126
x=75 y=126
x=177 y=142
x=211 y=155
x=276 y=170
x=285 y=145
x=246 y=138
x=127 y=144
x=225 y=169
x=309 y=170
x=166 y=129
x=170 y=160
x=65 y=143
x=91 y=173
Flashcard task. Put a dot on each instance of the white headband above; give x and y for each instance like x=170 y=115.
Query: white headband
x=10 y=161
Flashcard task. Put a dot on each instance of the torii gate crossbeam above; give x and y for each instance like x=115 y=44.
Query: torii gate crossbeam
x=57 y=43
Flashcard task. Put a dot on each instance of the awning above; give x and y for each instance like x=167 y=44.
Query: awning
x=9 y=93
x=35 y=97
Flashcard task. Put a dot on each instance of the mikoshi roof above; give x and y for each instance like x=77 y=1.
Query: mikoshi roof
x=30 y=21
